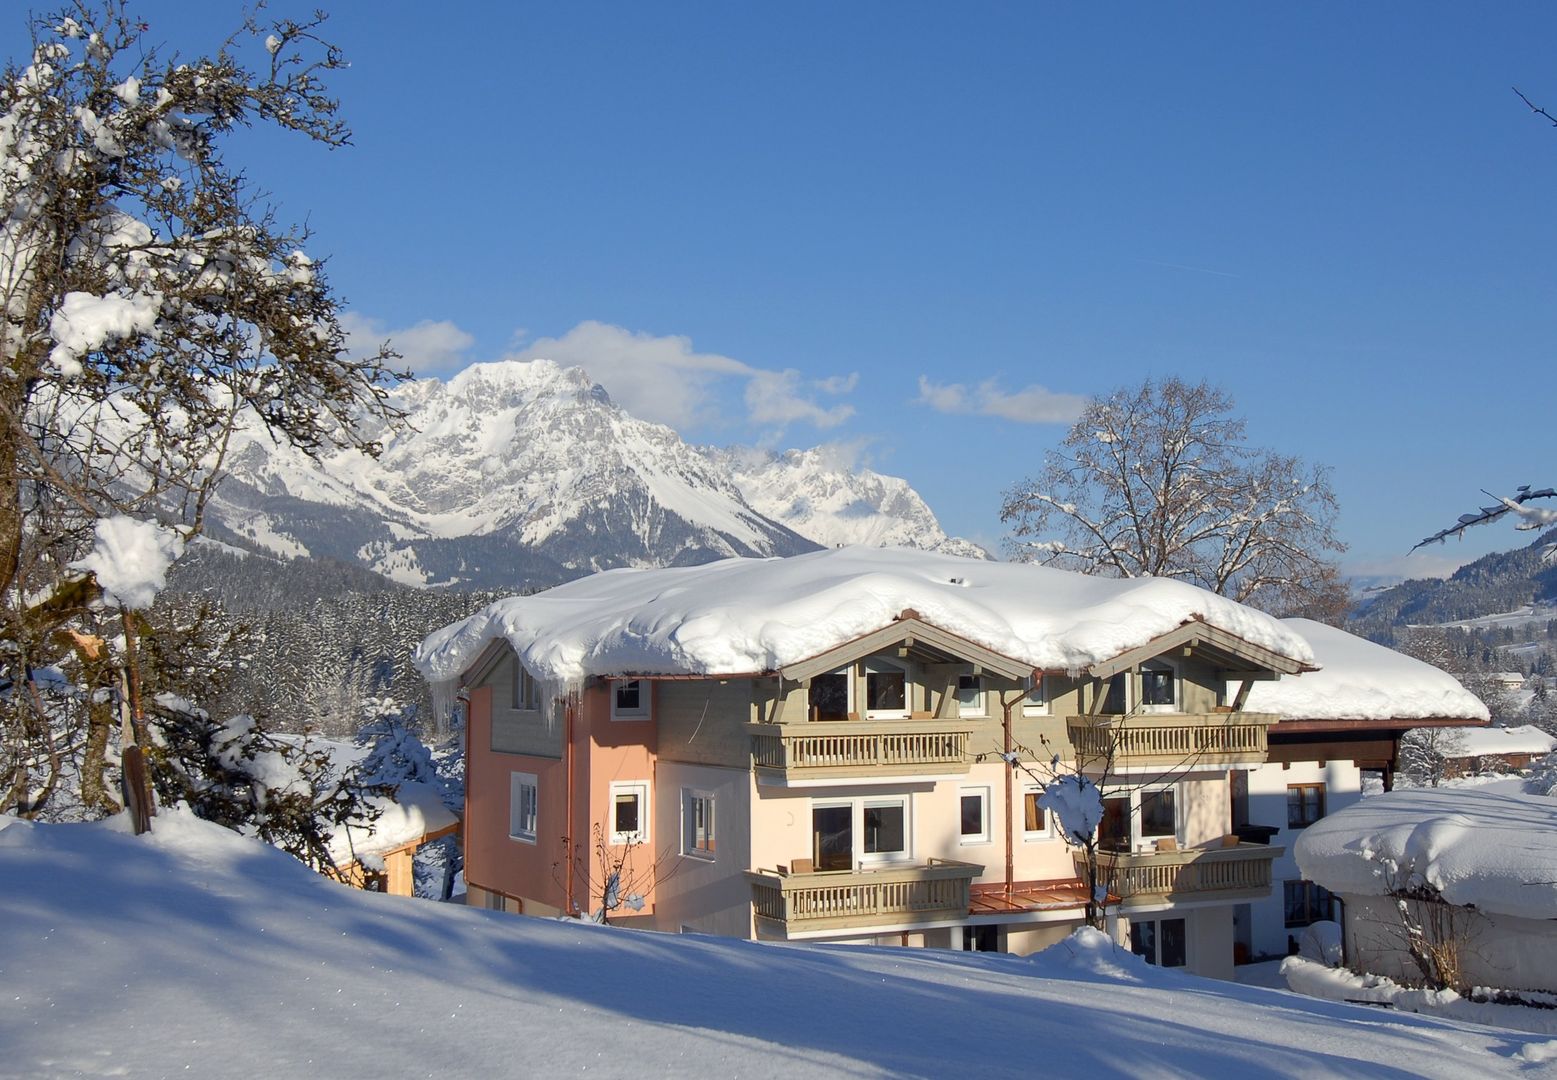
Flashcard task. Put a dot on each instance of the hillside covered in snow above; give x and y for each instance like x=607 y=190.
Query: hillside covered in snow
x=194 y=952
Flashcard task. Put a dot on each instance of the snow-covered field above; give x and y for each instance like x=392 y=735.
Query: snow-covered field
x=194 y=952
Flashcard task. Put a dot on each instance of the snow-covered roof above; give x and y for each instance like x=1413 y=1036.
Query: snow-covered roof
x=1493 y=849
x=748 y=615
x=1477 y=742
x=1360 y=680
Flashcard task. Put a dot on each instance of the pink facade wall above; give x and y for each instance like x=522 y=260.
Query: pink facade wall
x=605 y=750
x=617 y=750
x=493 y=860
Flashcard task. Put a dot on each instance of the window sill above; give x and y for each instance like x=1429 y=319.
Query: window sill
x=522 y=839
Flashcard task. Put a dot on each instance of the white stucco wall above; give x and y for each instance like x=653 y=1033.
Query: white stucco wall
x=1268 y=806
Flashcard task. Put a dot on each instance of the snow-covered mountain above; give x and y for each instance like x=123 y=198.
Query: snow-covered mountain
x=526 y=472
x=825 y=500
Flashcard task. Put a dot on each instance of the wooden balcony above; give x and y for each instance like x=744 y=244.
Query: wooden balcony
x=1240 y=872
x=793 y=904
x=1158 y=741
x=790 y=753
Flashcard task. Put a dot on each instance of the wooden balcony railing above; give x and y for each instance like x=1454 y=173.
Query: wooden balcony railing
x=1241 y=872
x=858 y=899
x=860 y=748
x=1169 y=740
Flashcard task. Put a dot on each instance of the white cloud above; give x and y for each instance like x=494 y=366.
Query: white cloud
x=776 y=397
x=662 y=378
x=429 y=348
x=1030 y=405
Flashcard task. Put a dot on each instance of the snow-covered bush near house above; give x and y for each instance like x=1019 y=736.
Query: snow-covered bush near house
x=242 y=963
x=1483 y=1006
x=1321 y=942
x=1078 y=804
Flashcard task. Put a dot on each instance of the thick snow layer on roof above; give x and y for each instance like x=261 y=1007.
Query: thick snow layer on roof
x=1359 y=680
x=414 y=811
x=1476 y=742
x=746 y=615
x=191 y=951
x=1493 y=849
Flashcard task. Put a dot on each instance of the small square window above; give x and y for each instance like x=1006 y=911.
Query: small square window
x=1036 y=703
x=1305 y=804
x=697 y=824
x=629 y=813
x=975 y=815
x=629 y=699
x=523 y=806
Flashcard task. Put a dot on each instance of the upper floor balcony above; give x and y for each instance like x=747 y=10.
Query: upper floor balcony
x=1227 y=873
x=789 y=904
x=1154 y=742
x=801 y=754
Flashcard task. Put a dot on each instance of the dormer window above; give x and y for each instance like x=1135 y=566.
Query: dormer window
x=886 y=692
x=629 y=699
x=1159 y=687
x=527 y=692
x=1116 y=702
x=829 y=696
x=970 y=695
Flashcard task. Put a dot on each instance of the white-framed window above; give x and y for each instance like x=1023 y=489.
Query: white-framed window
x=1036 y=703
x=970 y=695
x=697 y=823
x=849 y=833
x=527 y=692
x=629 y=812
x=630 y=699
x=831 y=695
x=1037 y=823
x=886 y=691
x=1160 y=690
x=973 y=804
x=1158 y=818
x=885 y=830
x=523 y=806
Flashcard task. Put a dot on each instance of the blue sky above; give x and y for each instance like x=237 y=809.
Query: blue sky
x=781 y=225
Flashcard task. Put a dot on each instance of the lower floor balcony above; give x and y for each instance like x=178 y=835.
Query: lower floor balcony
x=787 y=902
x=1233 y=872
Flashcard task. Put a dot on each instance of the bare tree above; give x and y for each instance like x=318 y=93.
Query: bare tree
x=1427 y=754
x=149 y=303
x=1158 y=480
